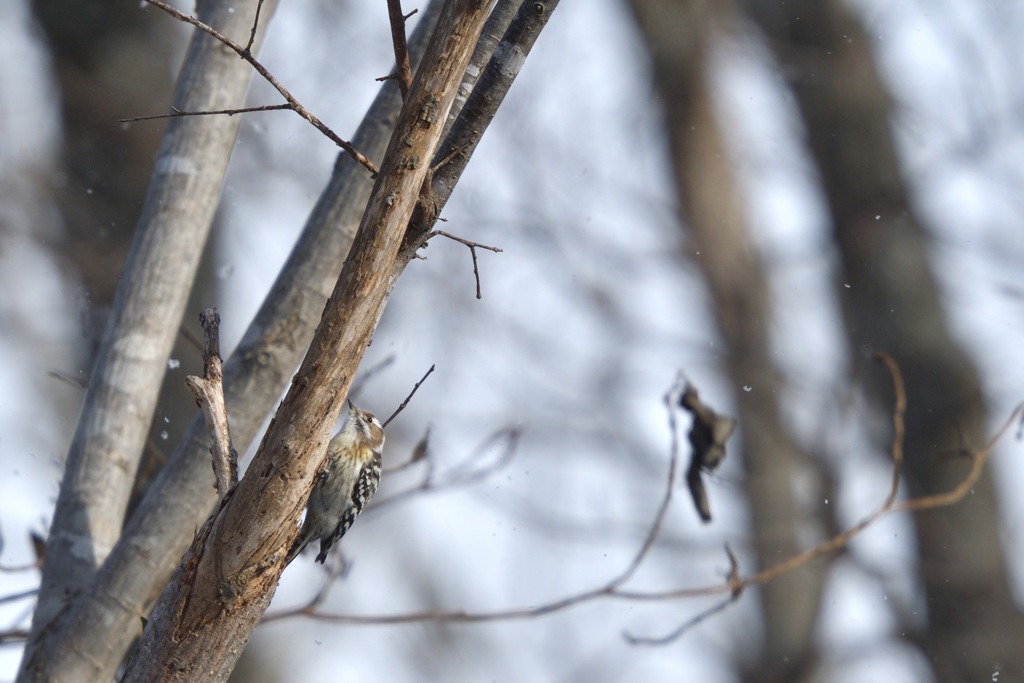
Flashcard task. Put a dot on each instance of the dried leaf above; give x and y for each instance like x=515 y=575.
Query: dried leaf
x=707 y=437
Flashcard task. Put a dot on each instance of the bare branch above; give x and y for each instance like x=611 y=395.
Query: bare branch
x=175 y=112
x=488 y=92
x=735 y=583
x=409 y=397
x=472 y=251
x=124 y=383
x=255 y=25
x=228 y=577
x=209 y=394
x=246 y=54
x=13 y=636
x=103 y=619
x=463 y=474
x=670 y=400
x=419 y=452
x=403 y=72
x=14 y=597
x=734 y=572
x=68 y=379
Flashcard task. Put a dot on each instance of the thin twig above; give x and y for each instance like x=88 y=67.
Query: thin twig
x=608 y=589
x=409 y=397
x=14 y=597
x=734 y=572
x=671 y=400
x=403 y=70
x=255 y=25
x=734 y=584
x=13 y=636
x=82 y=384
x=899 y=431
x=420 y=452
x=472 y=250
x=246 y=54
x=463 y=474
x=175 y=112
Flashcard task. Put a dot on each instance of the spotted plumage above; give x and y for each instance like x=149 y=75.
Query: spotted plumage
x=345 y=484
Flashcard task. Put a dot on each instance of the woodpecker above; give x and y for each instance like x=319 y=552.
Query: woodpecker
x=345 y=484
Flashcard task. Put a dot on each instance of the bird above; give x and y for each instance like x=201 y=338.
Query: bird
x=345 y=483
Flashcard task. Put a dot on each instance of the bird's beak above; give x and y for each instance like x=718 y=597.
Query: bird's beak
x=351 y=406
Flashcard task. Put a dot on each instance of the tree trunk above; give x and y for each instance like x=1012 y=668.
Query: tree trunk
x=891 y=301
x=678 y=36
x=228 y=577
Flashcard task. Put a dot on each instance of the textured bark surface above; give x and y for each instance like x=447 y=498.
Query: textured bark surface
x=892 y=301
x=737 y=281
x=106 y=616
x=230 y=573
x=131 y=362
x=497 y=64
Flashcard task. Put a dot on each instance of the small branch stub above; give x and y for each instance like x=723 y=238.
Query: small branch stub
x=403 y=70
x=209 y=393
x=409 y=397
x=472 y=252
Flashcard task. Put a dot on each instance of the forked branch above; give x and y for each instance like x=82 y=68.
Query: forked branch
x=472 y=252
x=208 y=391
x=246 y=54
x=403 y=70
x=735 y=582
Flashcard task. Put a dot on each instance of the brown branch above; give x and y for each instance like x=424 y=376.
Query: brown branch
x=606 y=590
x=979 y=458
x=734 y=572
x=255 y=25
x=14 y=597
x=409 y=397
x=209 y=394
x=403 y=71
x=488 y=92
x=420 y=452
x=671 y=399
x=228 y=576
x=82 y=384
x=463 y=474
x=246 y=54
x=734 y=584
x=13 y=636
x=472 y=250
x=175 y=112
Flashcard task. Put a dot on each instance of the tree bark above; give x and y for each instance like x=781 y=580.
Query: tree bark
x=132 y=359
x=106 y=616
x=228 y=577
